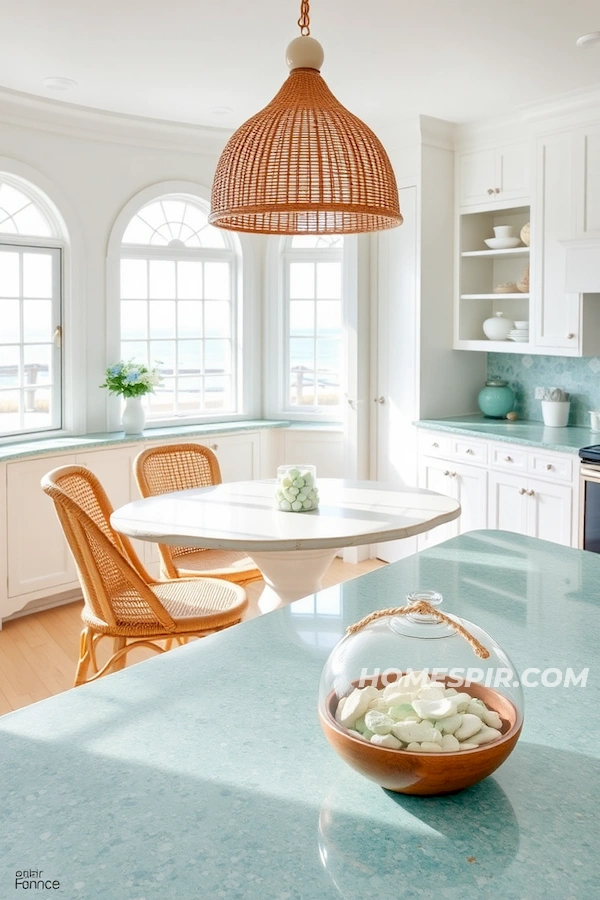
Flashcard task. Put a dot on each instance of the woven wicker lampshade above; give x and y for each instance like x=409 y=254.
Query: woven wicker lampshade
x=304 y=164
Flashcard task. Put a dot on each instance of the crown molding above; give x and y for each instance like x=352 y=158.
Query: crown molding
x=494 y=132
x=53 y=116
x=573 y=104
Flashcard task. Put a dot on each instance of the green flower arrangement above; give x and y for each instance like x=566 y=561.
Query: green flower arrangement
x=131 y=379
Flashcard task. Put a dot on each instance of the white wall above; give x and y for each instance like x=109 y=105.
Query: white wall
x=94 y=163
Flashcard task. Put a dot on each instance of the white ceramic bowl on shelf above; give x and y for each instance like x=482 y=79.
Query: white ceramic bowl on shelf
x=522 y=325
x=502 y=243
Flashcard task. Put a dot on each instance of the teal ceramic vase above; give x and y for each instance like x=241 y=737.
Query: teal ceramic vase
x=496 y=398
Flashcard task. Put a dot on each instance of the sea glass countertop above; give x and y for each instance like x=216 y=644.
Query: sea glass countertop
x=203 y=773
x=522 y=431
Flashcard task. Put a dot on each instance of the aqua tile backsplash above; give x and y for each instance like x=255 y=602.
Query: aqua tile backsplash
x=579 y=376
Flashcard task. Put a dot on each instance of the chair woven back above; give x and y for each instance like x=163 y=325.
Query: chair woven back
x=175 y=467
x=115 y=588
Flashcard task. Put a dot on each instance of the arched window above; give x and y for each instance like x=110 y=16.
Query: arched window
x=313 y=316
x=178 y=293
x=30 y=310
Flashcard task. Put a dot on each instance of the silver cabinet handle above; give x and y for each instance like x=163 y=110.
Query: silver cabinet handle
x=549 y=467
x=531 y=493
x=508 y=459
x=435 y=444
x=469 y=451
x=522 y=491
x=446 y=472
x=570 y=336
x=351 y=403
x=214 y=446
x=452 y=474
x=379 y=399
x=496 y=190
x=490 y=190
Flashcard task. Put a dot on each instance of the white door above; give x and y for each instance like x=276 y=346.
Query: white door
x=470 y=487
x=512 y=171
x=477 y=177
x=394 y=397
x=436 y=475
x=587 y=193
x=38 y=554
x=550 y=511
x=508 y=502
x=238 y=455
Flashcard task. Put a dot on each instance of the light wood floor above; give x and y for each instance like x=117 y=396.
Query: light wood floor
x=38 y=653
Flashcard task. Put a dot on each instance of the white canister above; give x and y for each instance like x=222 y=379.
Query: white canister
x=497 y=328
x=595 y=419
x=556 y=412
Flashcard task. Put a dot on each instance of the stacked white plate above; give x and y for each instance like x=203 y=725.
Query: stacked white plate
x=519 y=334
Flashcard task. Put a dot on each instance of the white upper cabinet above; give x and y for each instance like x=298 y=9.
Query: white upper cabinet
x=556 y=312
x=494 y=177
x=587 y=180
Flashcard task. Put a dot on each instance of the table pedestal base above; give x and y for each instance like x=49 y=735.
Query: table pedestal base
x=291 y=574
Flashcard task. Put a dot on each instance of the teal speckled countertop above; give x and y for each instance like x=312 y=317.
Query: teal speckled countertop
x=203 y=773
x=115 y=438
x=522 y=431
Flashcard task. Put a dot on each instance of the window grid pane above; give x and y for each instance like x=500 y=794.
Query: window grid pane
x=187 y=331
x=30 y=363
x=314 y=338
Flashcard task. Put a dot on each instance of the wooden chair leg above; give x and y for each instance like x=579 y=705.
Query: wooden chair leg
x=85 y=656
x=118 y=644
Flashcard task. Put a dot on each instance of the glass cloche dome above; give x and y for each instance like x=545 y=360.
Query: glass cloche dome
x=419 y=700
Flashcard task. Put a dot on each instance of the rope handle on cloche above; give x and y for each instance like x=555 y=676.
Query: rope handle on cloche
x=425 y=608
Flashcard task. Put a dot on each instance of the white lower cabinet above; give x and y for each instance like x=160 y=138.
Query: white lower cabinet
x=530 y=506
x=38 y=557
x=525 y=490
x=465 y=483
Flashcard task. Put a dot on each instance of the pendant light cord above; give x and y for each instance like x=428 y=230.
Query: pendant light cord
x=304 y=20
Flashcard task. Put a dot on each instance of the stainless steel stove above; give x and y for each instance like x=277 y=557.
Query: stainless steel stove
x=589 y=515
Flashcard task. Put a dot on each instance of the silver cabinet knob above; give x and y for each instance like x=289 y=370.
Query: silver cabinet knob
x=379 y=399
x=496 y=190
x=549 y=467
x=446 y=472
x=508 y=459
x=435 y=444
x=469 y=451
x=214 y=446
x=522 y=491
x=570 y=336
x=531 y=493
x=490 y=190
x=452 y=474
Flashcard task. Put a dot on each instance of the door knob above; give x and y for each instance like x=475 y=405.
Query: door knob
x=214 y=446
x=570 y=336
x=531 y=493
x=379 y=399
x=522 y=491
x=446 y=472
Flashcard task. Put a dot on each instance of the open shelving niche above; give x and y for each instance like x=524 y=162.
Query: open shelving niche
x=480 y=270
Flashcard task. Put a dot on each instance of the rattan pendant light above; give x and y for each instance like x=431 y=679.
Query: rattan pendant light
x=304 y=164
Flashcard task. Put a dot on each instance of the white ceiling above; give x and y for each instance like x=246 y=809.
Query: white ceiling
x=387 y=59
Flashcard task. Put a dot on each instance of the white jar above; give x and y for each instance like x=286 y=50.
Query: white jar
x=497 y=328
x=555 y=413
x=296 y=489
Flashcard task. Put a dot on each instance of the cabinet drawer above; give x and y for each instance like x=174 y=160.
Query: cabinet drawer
x=470 y=451
x=431 y=444
x=559 y=468
x=508 y=458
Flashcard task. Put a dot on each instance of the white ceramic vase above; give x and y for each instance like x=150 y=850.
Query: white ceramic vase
x=134 y=417
x=555 y=413
x=497 y=328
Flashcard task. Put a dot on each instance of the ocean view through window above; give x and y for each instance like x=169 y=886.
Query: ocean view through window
x=313 y=301
x=178 y=289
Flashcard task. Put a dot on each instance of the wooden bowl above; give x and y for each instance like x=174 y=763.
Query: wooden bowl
x=407 y=772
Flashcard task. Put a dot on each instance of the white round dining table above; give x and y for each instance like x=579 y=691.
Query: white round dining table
x=292 y=550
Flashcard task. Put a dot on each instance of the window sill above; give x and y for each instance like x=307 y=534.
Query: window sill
x=65 y=443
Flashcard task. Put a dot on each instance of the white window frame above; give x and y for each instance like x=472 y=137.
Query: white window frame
x=67 y=238
x=276 y=368
x=43 y=246
x=245 y=297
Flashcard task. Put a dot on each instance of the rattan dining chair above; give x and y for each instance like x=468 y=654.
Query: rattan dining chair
x=121 y=600
x=177 y=467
